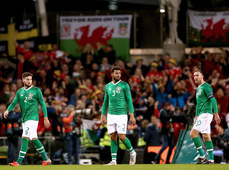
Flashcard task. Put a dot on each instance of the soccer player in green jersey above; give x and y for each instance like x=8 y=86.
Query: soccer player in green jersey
x=29 y=98
x=117 y=97
x=204 y=115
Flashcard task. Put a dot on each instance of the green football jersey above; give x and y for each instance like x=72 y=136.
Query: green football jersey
x=205 y=99
x=117 y=97
x=29 y=100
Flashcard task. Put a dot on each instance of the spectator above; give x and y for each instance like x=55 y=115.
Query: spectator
x=110 y=54
x=152 y=138
x=173 y=70
x=104 y=66
x=166 y=115
x=27 y=53
x=139 y=64
x=71 y=121
x=153 y=75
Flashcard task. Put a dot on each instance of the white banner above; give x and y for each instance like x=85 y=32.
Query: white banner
x=91 y=27
x=208 y=20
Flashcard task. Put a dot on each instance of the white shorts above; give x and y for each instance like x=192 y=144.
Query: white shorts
x=203 y=123
x=117 y=123
x=30 y=129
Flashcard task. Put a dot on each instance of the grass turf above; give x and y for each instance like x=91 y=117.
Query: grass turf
x=121 y=167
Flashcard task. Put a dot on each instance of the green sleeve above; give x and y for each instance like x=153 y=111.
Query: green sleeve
x=105 y=102
x=197 y=112
x=214 y=104
x=209 y=93
x=14 y=102
x=42 y=102
x=129 y=98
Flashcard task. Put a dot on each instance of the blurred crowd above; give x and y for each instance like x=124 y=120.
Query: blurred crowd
x=163 y=94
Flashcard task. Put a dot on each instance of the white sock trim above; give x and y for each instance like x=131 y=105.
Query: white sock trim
x=199 y=147
x=40 y=148
x=23 y=152
x=210 y=150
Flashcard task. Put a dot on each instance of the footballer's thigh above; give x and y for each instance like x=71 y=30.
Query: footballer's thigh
x=30 y=129
x=203 y=123
x=121 y=121
x=111 y=126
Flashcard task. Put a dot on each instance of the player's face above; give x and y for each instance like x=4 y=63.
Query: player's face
x=27 y=81
x=116 y=75
x=198 y=78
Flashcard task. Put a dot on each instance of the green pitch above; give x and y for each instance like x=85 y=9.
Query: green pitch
x=121 y=167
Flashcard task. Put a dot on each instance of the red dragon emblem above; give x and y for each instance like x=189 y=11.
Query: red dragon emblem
x=215 y=31
x=96 y=36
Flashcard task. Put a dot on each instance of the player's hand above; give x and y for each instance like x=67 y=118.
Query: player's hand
x=6 y=114
x=132 y=119
x=103 y=120
x=46 y=122
x=217 y=118
x=195 y=119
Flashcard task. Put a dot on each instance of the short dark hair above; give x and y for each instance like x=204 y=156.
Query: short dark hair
x=115 y=68
x=26 y=74
x=198 y=70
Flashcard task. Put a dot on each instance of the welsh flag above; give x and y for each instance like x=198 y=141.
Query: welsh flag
x=78 y=31
x=208 y=28
x=91 y=127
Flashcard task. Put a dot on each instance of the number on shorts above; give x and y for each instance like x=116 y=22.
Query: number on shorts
x=26 y=132
x=124 y=125
x=198 y=122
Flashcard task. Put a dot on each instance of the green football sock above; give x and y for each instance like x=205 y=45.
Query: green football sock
x=128 y=145
x=40 y=148
x=209 y=147
x=198 y=145
x=114 y=150
x=24 y=148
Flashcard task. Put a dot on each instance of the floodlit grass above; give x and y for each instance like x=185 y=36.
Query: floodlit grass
x=121 y=167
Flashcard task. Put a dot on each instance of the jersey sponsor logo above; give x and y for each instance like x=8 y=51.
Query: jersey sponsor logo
x=118 y=89
x=30 y=96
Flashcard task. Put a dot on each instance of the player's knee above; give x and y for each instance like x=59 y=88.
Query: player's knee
x=114 y=137
x=206 y=137
x=122 y=137
x=192 y=135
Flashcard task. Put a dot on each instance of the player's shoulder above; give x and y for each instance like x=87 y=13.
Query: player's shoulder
x=108 y=84
x=36 y=88
x=124 y=83
x=19 y=90
x=207 y=85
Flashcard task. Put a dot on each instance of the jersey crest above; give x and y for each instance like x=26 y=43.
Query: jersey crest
x=118 y=89
x=30 y=96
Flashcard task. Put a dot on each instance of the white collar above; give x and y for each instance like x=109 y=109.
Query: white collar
x=28 y=88
x=201 y=84
x=116 y=82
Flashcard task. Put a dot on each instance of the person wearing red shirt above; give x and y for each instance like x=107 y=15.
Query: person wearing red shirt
x=154 y=75
x=25 y=50
x=173 y=71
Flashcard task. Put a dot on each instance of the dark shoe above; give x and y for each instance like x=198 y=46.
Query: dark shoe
x=201 y=160
x=209 y=162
